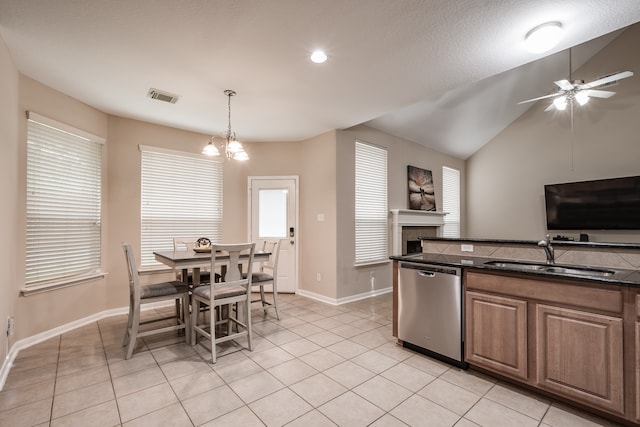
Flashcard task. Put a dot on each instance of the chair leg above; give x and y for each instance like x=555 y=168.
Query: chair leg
x=133 y=333
x=262 y=298
x=195 y=312
x=247 y=318
x=212 y=323
x=129 y=323
x=275 y=299
x=186 y=319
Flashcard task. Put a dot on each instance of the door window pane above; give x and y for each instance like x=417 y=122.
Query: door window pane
x=272 y=220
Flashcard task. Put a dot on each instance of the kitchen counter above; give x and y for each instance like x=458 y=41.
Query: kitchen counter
x=567 y=243
x=620 y=276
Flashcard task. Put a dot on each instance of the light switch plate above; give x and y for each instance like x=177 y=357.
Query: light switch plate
x=466 y=248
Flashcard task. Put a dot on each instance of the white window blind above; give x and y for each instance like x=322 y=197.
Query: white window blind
x=371 y=203
x=64 y=192
x=451 y=201
x=181 y=196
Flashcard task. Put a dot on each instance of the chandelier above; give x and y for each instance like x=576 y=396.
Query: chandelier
x=231 y=147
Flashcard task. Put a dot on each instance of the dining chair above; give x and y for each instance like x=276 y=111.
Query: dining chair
x=233 y=291
x=267 y=274
x=145 y=294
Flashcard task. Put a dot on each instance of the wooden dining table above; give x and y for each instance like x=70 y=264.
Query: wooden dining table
x=190 y=259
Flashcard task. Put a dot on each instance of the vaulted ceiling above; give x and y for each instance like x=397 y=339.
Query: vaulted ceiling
x=443 y=73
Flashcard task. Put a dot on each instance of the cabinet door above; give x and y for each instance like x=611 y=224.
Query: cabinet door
x=579 y=354
x=496 y=333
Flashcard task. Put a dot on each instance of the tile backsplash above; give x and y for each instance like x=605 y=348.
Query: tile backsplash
x=625 y=258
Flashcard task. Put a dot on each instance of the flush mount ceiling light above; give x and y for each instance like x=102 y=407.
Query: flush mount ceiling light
x=543 y=37
x=231 y=147
x=318 y=57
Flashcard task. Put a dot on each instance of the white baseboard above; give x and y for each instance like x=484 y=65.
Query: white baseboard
x=344 y=300
x=43 y=336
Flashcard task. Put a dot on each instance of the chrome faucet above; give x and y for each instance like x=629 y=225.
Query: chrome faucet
x=548 y=249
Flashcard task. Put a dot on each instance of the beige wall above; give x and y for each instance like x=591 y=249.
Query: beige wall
x=44 y=311
x=313 y=161
x=401 y=153
x=506 y=178
x=8 y=192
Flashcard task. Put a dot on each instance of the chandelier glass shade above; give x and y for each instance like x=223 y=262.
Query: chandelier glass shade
x=230 y=146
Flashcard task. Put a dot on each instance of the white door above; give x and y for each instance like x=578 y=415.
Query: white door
x=273 y=214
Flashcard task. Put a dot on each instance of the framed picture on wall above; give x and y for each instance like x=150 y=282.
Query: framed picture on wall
x=421 y=191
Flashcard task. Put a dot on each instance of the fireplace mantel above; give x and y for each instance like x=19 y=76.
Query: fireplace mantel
x=412 y=218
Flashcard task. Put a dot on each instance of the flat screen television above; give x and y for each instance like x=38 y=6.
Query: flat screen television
x=604 y=204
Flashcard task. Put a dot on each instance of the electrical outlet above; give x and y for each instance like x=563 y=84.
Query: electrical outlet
x=318 y=277
x=466 y=248
x=10 y=325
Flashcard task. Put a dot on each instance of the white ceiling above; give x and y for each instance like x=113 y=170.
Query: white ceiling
x=420 y=69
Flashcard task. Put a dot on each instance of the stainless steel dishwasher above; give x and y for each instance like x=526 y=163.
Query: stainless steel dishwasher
x=430 y=311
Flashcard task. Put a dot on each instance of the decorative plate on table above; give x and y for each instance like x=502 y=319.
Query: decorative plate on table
x=202 y=245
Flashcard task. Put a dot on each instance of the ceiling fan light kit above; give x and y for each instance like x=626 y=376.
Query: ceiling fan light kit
x=579 y=91
x=560 y=103
x=543 y=37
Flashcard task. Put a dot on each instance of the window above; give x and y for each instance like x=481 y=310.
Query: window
x=64 y=193
x=451 y=201
x=181 y=196
x=371 y=204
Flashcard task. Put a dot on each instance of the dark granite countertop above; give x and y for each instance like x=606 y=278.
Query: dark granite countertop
x=619 y=276
x=535 y=242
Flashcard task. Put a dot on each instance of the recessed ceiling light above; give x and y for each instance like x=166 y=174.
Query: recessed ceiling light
x=318 y=57
x=543 y=37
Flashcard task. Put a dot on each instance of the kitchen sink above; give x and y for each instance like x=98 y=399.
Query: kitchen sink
x=517 y=265
x=550 y=268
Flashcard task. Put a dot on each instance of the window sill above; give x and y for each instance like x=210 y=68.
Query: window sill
x=52 y=286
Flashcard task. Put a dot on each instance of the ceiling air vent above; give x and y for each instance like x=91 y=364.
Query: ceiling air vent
x=162 y=96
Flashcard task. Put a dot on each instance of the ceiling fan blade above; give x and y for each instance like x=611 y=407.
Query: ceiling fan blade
x=539 y=98
x=564 y=84
x=550 y=107
x=605 y=80
x=600 y=93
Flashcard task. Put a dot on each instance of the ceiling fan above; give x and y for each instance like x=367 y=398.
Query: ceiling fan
x=579 y=91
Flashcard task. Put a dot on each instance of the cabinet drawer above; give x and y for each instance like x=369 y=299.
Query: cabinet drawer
x=578 y=294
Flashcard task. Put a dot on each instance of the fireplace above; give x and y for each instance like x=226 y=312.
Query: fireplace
x=409 y=226
x=412 y=238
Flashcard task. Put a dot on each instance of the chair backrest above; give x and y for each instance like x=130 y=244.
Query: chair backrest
x=132 y=271
x=272 y=246
x=234 y=251
x=184 y=243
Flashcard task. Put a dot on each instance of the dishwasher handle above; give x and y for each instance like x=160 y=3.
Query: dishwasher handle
x=424 y=273
x=430 y=270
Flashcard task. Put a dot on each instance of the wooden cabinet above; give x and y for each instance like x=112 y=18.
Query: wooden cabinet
x=580 y=355
x=496 y=333
x=561 y=336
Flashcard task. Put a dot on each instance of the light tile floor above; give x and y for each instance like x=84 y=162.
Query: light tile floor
x=319 y=365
